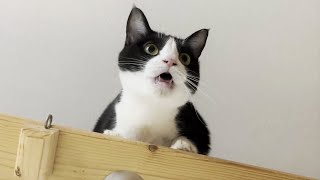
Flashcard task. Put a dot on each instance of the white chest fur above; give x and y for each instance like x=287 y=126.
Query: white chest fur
x=145 y=120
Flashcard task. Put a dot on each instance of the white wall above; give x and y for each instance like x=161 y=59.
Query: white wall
x=260 y=68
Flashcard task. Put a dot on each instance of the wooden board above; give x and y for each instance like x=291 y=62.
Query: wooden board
x=82 y=155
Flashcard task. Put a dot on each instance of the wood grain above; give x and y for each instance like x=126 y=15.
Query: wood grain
x=82 y=155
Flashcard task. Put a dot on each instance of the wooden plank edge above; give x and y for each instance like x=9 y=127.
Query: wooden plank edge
x=24 y=121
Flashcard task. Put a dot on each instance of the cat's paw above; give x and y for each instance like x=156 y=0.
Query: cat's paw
x=111 y=133
x=184 y=144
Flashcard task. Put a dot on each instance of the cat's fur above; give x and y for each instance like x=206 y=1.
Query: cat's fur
x=153 y=106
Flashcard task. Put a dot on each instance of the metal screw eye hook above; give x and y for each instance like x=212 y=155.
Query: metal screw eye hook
x=48 y=122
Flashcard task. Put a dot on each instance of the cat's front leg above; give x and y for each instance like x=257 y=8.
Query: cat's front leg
x=182 y=143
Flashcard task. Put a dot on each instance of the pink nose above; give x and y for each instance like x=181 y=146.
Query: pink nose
x=170 y=62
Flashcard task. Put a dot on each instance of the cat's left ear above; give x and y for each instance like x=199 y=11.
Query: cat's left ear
x=197 y=41
x=137 y=26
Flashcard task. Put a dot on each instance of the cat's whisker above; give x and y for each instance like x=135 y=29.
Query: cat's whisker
x=196 y=87
x=192 y=78
x=193 y=84
x=192 y=71
x=196 y=77
x=131 y=58
x=144 y=62
x=190 y=75
x=183 y=81
x=202 y=92
x=144 y=58
x=198 y=81
x=197 y=113
x=131 y=62
x=198 y=116
x=122 y=63
x=190 y=96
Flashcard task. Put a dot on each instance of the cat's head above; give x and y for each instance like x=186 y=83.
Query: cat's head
x=157 y=66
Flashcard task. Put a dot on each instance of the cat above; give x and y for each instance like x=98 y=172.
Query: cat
x=159 y=73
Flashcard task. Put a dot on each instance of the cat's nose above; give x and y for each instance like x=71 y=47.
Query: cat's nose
x=170 y=62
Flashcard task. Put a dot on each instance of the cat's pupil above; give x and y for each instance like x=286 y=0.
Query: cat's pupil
x=151 y=49
x=184 y=58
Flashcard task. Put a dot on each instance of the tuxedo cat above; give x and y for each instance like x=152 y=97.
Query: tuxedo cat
x=159 y=73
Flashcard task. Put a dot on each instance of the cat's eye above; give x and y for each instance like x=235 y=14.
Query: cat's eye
x=151 y=49
x=185 y=58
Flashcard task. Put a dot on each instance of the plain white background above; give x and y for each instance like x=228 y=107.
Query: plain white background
x=260 y=69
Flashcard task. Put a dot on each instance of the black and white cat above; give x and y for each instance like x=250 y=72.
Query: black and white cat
x=159 y=73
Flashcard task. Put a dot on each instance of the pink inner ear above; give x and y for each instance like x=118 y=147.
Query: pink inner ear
x=139 y=26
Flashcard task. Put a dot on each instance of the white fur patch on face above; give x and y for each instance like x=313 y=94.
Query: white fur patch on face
x=139 y=25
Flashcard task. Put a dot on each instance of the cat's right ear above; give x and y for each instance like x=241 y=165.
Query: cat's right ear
x=137 y=26
x=197 y=41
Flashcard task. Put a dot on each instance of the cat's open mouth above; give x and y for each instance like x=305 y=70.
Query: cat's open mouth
x=164 y=79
